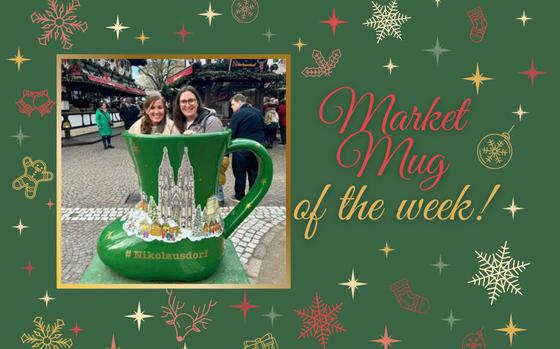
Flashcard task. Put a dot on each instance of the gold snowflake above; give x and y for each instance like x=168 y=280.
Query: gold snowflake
x=47 y=337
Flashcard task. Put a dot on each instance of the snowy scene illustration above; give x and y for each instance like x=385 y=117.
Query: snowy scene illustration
x=176 y=216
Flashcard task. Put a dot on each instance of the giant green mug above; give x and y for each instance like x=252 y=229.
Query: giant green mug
x=176 y=232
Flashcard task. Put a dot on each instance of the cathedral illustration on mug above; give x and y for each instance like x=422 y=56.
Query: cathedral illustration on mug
x=175 y=216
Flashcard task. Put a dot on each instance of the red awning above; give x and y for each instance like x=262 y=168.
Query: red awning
x=110 y=83
x=185 y=72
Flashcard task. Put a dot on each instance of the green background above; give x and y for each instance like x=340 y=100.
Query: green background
x=319 y=264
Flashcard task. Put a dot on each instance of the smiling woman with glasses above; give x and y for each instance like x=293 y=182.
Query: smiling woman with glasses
x=189 y=116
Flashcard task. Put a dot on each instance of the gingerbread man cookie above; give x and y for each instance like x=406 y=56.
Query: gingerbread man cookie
x=34 y=173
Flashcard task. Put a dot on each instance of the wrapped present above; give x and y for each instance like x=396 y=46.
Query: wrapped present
x=265 y=342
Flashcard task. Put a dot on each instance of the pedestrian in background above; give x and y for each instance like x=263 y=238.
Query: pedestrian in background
x=129 y=113
x=282 y=120
x=246 y=122
x=153 y=119
x=271 y=123
x=104 y=125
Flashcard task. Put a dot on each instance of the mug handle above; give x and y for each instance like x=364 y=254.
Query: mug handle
x=259 y=189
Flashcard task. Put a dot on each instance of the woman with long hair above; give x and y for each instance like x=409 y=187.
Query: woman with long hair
x=190 y=116
x=153 y=118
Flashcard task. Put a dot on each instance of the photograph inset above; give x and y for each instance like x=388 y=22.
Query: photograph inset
x=173 y=171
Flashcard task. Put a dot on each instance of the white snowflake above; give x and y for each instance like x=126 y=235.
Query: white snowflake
x=498 y=273
x=386 y=20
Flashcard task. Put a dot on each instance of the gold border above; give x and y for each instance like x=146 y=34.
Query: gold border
x=60 y=285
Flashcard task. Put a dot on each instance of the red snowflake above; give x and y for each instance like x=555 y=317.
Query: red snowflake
x=59 y=22
x=320 y=320
x=245 y=9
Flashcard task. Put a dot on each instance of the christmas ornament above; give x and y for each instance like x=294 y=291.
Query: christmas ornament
x=245 y=11
x=176 y=232
x=494 y=151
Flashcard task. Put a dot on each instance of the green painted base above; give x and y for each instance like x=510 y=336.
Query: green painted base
x=230 y=271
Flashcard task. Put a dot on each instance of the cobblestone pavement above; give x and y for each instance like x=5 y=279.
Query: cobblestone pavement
x=100 y=185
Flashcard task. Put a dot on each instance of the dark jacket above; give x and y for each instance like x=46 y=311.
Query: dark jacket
x=247 y=122
x=129 y=114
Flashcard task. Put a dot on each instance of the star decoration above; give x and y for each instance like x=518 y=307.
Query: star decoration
x=511 y=330
x=352 y=284
x=46 y=298
x=386 y=250
x=183 y=33
x=532 y=72
x=390 y=66
x=19 y=59
x=50 y=204
x=440 y=265
x=113 y=343
x=76 y=329
x=244 y=306
x=385 y=340
x=20 y=227
x=478 y=79
x=334 y=21
x=513 y=208
x=117 y=27
x=520 y=112
x=437 y=2
x=386 y=20
x=451 y=319
x=29 y=267
x=272 y=315
x=524 y=18
x=139 y=316
x=209 y=14
x=142 y=37
x=299 y=44
x=20 y=136
x=268 y=34
x=437 y=50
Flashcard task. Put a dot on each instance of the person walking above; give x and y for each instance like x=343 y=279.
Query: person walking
x=246 y=122
x=104 y=124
